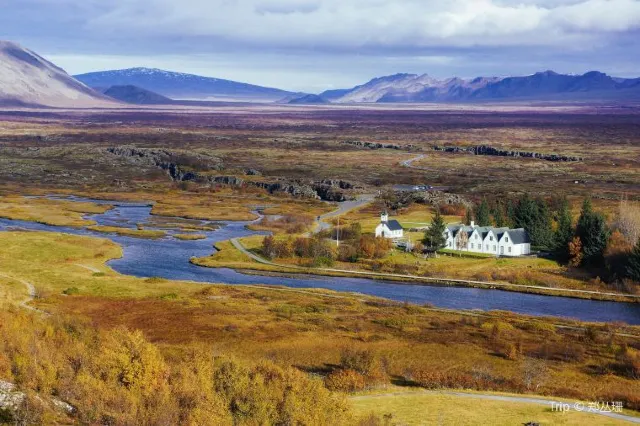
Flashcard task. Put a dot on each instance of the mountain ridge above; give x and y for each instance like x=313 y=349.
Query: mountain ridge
x=182 y=86
x=545 y=85
x=28 y=79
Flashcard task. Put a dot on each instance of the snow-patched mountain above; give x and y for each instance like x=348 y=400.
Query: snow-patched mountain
x=27 y=79
x=176 y=85
x=546 y=85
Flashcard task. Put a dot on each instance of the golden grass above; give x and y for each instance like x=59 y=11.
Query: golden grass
x=190 y=237
x=443 y=409
x=49 y=212
x=128 y=232
x=54 y=262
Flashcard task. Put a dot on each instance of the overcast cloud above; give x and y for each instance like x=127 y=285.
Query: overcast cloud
x=313 y=45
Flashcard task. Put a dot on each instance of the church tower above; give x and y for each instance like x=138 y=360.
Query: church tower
x=384 y=217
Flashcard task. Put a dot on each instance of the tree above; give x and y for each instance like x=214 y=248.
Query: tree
x=564 y=233
x=483 y=215
x=468 y=218
x=628 y=220
x=268 y=246
x=633 y=263
x=617 y=255
x=463 y=240
x=594 y=234
x=498 y=216
x=434 y=236
x=535 y=217
x=575 y=252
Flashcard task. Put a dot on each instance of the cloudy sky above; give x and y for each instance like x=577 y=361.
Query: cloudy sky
x=313 y=45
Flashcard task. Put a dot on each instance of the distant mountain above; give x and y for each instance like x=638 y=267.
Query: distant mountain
x=308 y=99
x=27 y=79
x=136 y=95
x=546 y=85
x=176 y=85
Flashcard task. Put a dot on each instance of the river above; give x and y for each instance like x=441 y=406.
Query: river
x=169 y=258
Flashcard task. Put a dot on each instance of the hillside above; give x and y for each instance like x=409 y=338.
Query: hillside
x=546 y=85
x=176 y=85
x=136 y=95
x=27 y=79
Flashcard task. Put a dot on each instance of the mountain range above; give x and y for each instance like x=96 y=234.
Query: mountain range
x=546 y=85
x=27 y=79
x=181 y=86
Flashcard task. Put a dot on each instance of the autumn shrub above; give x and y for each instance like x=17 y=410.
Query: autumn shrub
x=118 y=377
x=345 y=380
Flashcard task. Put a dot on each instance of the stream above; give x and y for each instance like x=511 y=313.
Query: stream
x=169 y=258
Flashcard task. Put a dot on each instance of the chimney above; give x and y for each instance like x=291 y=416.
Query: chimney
x=473 y=224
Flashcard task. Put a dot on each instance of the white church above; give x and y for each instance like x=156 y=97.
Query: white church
x=488 y=240
x=389 y=228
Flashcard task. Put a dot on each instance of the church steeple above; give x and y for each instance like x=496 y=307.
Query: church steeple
x=384 y=217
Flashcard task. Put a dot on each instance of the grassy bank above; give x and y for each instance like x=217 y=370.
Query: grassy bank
x=228 y=256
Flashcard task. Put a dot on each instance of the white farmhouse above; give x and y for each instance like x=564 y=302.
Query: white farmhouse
x=488 y=240
x=389 y=228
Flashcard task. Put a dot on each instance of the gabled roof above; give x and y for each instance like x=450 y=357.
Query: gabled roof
x=519 y=236
x=393 y=225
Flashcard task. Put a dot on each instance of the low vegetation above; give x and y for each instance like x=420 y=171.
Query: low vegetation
x=355 y=343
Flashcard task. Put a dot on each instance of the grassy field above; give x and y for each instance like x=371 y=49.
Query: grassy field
x=436 y=408
x=310 y=329
x=50 y=212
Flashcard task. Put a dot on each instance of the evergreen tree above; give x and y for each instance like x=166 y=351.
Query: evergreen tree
x=564 y=233
x=543 y=229
x=483 y=216
x=534 y=216
x=468 y=218
x=511 y=214
x=633 y=263
x=594 y=234
x=498 y=216
x=434 y=236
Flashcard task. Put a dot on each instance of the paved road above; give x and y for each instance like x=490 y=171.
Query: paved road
x=528 y=400
x=343 y=207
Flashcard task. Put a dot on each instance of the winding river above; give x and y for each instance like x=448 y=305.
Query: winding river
x=169 y=258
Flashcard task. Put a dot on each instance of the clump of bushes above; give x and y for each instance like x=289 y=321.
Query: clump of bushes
x=359 y=370
x=117 y=377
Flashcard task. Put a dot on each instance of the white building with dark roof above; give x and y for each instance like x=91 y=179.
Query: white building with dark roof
x=488 y=240
x=389 y=228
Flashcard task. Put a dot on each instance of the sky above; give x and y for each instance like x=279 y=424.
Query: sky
x=315 y=45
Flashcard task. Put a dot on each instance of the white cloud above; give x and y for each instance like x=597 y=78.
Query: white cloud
x=384 y=23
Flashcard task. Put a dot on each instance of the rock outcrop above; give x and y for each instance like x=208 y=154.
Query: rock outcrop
x=183 y=167
x=489 y=150
x=377 y=145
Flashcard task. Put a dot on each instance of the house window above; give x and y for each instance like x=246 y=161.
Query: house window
x=509 y=249
x=506 y=239
x=494 y=248
x=491 y=238
x=472 y=246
